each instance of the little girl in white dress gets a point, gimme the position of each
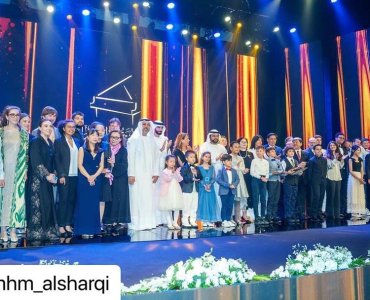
(170, 198)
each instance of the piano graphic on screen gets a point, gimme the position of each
(116, 99)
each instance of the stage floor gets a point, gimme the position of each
(138, 260)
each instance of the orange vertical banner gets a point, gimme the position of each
(288, 100)
(307, 97)
(198, 99)
(363, 70)
(341, 93)
(247, 98)
(69, 103)
(152, 79)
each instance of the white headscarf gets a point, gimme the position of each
(156, 124)
(212, 131)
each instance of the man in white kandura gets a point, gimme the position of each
(143, 172)
(217, 150)
(164, 146)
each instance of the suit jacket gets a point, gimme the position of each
(223, 181)
(304, 158)
(63, 156)
(317, 169)
(187, 184)
(367, 166)
(309, 153)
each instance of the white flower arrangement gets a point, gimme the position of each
(56, 262)
(318, 260)
(205, 271)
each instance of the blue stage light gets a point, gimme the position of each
(146, 4)
(86, 12)
(171, 5)
(217, 35)
(334, 1)
(169, 26)
(276, 29)
(292, 30)
(184, 32)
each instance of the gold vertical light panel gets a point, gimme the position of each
(247, 99)
(341, 94)
(307, 97)
(198, 100)
(288, 100)
(151, 79)
(363, 70)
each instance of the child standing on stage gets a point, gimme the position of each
(207, 202)
(273, 185)
(228, 180)
(241, 196)
(190, 187)
(260, 174)
(170, 198)
(291, 179)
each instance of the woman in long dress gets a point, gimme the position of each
(90, 166)
(355, 190)
(14, 155)
(41, 223)
(115, 183)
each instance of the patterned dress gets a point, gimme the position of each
(14, 149)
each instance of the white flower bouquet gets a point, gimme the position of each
(318, 260)
(205, 271)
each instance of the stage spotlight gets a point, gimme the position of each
(184, 32)
(106, 4)
(133, 27)
(239, 25)
(169, 26)
(248, 43)
(171, 5)
(69, 17)
(86, 12)
(276, 29)
(194, 36)
(146, 4)
(334, 1)
(227, 19)
(256, 46)
(135, 5)
(292, 30)
(217, 35)
(50, 8)
(116, 20)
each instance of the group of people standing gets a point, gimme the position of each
(54, 181)
(60, 181)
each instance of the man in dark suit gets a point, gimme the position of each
(79, 119)
(309, 151)
(303, 196)
(271, 143)
(317, 171)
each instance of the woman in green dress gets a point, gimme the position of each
(14, 149)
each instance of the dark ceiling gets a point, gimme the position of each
(314, 19)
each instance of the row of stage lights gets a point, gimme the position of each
(171, 5)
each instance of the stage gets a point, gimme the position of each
(138, 260)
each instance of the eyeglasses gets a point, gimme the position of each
(14, 115)
(115, 137)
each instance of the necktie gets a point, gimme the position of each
(299, 155)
